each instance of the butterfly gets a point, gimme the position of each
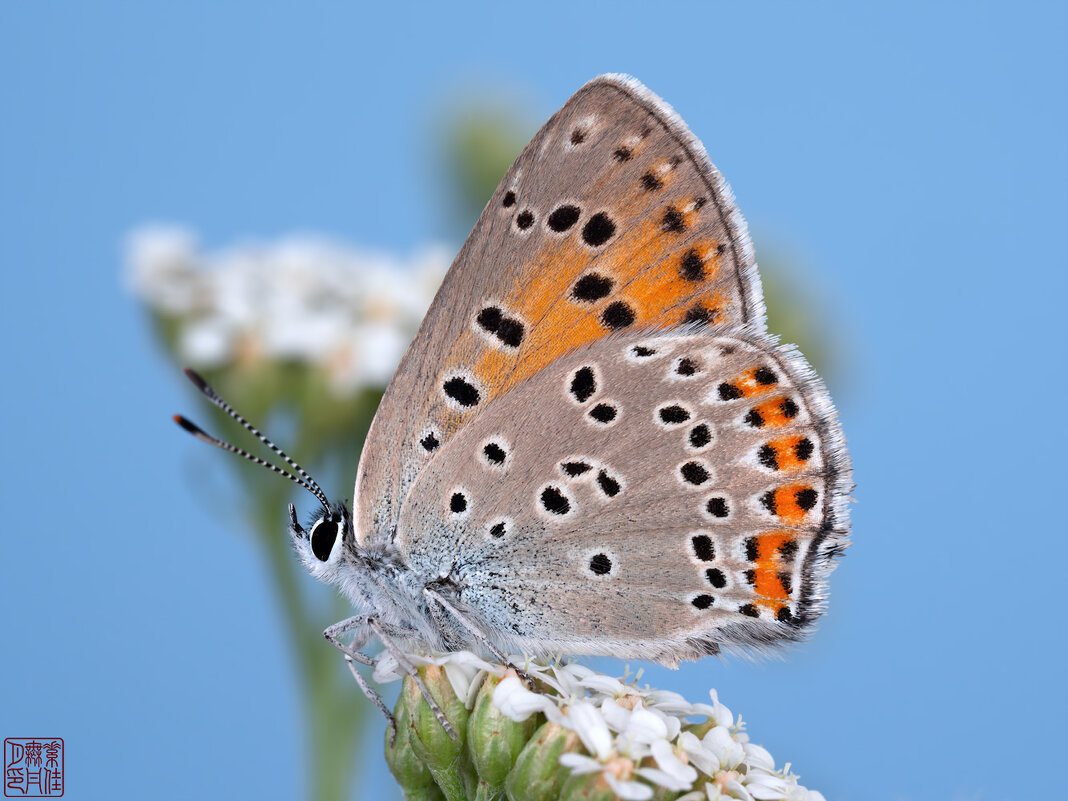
(592, 446)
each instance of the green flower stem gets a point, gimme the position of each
(334, 714)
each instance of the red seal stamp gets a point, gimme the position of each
(33, 767)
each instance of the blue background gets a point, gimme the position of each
(911, 158)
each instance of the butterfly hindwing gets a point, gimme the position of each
(647, 495)
(611, 220)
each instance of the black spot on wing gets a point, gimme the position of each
(608, 484)
(672, 222)
(461, 390)
(563, 217)
(600, 564)
(524, 219)
(617, 315)
(583, 384)
(673, 414)
(591, 287)
(554, 501)
(717, 507)
(604, 413)
(598, 229)
(692, 267)
(703, 548)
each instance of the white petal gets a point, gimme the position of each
(700, 757)
(759, 757)
(761, 792)
(580, 763)
(664, 779)
(589, 724)
(475, 662)
(667, 761)
(629, 791)
(615, 715)
(670, 703)
(577, 671)
(558, 678)
(674, 725)
(645, 726)
(605, 685)
(515, 701)
(716, 713)
(161, 267)
(719, 741)
(462, 679)
(387, 669)
(734, 789)
(208, 342)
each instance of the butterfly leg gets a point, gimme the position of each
(402, 661)
(373, 697)
(359, 624)
(437, 598)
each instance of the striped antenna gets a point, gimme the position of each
(305, 480)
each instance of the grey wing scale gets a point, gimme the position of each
(656, 496)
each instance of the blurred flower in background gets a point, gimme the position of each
(347, 313)
(301, 335)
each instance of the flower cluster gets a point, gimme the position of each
(301, 299)
(634, 742)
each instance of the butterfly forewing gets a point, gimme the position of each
(646, 495)
(611, 220)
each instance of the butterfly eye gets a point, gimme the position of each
(323, 534)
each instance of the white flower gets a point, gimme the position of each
(589, 724)
(611, 772)
(646, 726)
(701, 757)
(628, 790)
(726, 786)
(207, 342)
(349, 313)
(670, 771)
(715, 712)
(670, 703)
(514, 700)
(632, 737)
(727, 750)
(759, 757)
(606, 685)
(161, 262)
(765, 786)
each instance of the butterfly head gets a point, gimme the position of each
(322, 542)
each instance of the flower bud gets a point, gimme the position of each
(445, 757)
(538, 774)
(493, 739)
(408, 769)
